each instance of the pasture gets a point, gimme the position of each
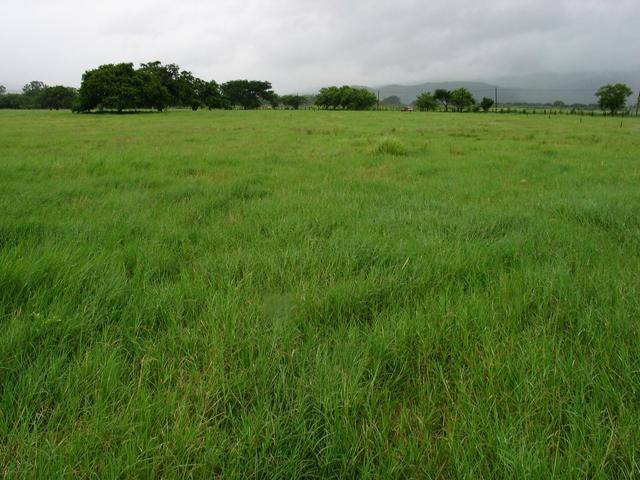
(282, 294)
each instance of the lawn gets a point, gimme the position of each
(280, 294)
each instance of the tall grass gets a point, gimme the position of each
(230, 295)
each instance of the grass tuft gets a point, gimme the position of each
(391, 146)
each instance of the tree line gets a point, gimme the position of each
(156, 86)
(612, 98)
(153, 85)
(36, 94)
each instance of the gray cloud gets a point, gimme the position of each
(303, 44)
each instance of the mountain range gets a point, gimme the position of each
(536, 88)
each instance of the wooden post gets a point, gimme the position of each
(496, 99)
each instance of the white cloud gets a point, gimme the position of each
(302, 44)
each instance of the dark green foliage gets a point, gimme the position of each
(486, 104)
(154, 94)
(3, 90)
(211, 96)
(345, 97)
(392, 101)
(426, 102)
(461, 99)
(443, 96)
(613, 97)
(33, 89)
(292, 101)
(112, 87)
(58, 97)
(248, 94)
(152, 86)
(275, 101)
(14, 101)
(168, 75)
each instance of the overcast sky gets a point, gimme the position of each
(303, 44)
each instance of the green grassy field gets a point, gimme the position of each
(270, 295)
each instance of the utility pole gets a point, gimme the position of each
(496, 99)
(378, 99)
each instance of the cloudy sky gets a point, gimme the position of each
(303, 44)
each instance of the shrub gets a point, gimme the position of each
(391, 146)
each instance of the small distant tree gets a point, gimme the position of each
(426, 102)
(3, 90)
(13, 101)
(559, 104)
(55, 98)
(292, 101)
(275, 100)
(392, 101)
(613, 97)
(462, 99)
(486, 104)
(33, 89)
(444, 97)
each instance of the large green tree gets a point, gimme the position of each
(152, 91)
(443, 96)
(111, 87)
(248, 94)
(426, 102)
(461, 99)
(346, 97)
(613, 97)
(168, 75)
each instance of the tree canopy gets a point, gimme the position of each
(461, 99)
(426, 102)
(156, 86)
(345, 97)
(443, 96)
(486, 103)
(33, 89)
(58, 97)
(248, 94)
(613, 97)
(392, 101)
(292, 101)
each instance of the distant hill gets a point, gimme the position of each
(538, 88)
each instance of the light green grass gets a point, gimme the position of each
(262, 295)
